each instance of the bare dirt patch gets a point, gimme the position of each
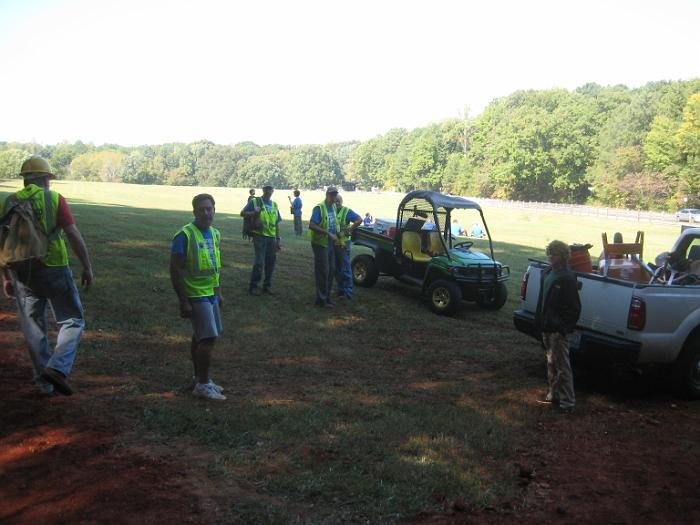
(60, 461)
(626, 457)
(630, 459)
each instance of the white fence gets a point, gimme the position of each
(579, 209)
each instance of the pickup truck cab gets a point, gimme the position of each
(632, 323)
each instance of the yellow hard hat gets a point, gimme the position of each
(34, 167)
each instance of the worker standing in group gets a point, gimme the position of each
(266, 239)
(323, 226)
(195, 272)
(348, 220)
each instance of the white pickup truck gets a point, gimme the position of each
(631, 323)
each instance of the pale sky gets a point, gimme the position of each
(300, 71)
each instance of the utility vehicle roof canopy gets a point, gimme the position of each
(437, 200)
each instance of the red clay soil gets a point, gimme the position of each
(62, 461)
(633, 461)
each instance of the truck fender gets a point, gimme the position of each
(689, 330)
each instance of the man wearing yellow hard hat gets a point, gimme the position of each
(38, 283)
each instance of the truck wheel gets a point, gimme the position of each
(686, 373)
(445, 297)
(364, 270)
(493, 299)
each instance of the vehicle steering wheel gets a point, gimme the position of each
(465, 244)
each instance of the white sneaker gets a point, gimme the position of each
(218, 388)
(207, 391)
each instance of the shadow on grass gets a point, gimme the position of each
(365, 412)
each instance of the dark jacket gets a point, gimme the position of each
(561, 306)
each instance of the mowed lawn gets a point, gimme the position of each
(376, 410)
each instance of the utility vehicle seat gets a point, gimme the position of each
(435, 244)
(410, 247)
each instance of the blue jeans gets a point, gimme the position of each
(324, 268)
(343, 272)
(54, 287)
(265, 256)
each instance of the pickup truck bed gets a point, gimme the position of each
(624, 322)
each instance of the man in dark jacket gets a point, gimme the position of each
(560, 310)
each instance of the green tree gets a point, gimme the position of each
(313, 167)
(11, 159)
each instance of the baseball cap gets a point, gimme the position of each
(331, 189)
(268, 187)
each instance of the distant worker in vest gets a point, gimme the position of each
(251, 194)
(323, 226)
(266, 239)
(561, 307)
(195, 273)
(49, 282)
(348, 220)
(296, 211)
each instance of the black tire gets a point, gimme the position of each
(445, 297)
(493, 299)
(686, 372)
(364, 270)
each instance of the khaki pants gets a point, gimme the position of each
(559, 375)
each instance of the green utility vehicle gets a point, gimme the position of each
(420, 251)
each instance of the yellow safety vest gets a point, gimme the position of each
(268, 218)
(201, 276)
(342, 222)
(45, 206)
(321, 239)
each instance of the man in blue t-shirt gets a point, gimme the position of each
(196, 284)
(267, 240)
(323, 238)
(347, 221)
(296, 211)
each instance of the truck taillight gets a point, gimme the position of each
(637, 317)
(523, 285)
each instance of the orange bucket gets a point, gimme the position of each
(580, 260)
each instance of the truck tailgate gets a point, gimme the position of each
(605, 304)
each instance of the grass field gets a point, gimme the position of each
(376, 411)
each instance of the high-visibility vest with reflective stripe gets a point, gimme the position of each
(268, 218)
(341, 223)
(45, 205)
(200, 275)
(322, 238)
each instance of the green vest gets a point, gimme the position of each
(268, 218)
(341, 223)
(321, 239)
(45, 205)
(201, 276)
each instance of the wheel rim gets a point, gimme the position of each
(360, 272)
(441, 298)
(695, 373)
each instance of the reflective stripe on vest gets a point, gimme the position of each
(45, 205)
(200, 275)
(321, 239)
(341, 223)
(268, 218)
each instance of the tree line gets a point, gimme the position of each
(634, 148)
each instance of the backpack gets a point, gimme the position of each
(252, 224)
(22, 236)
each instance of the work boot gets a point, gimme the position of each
(58, 380)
